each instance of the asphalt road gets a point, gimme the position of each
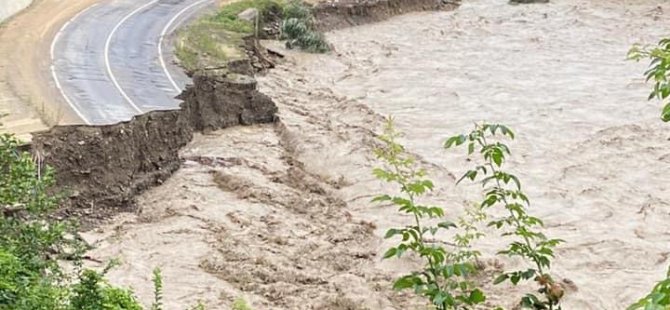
(114, 60)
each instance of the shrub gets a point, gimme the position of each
(240, 304)
(32, 243)
(657, 299)
(443, 280)
(659, 71)
(502, 189)
(445, 277)
(298, 29)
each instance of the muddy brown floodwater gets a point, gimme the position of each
(280, 215)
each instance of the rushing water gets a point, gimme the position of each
(591, 151)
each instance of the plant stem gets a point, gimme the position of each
(516, 220)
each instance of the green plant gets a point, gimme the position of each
(240, 304)
(25, 206)
(443, 282)
(299, 31)
(32, 242)
(504, 189)
(657, 299)
(658, 71)
(158, 290)
(463, 239)
(94, 293)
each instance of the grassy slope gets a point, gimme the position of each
(213, 40)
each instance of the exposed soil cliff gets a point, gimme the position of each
(336, 15)
(101, 168)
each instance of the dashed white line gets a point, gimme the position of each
(162, 37)
(107, 63)
(53, 67)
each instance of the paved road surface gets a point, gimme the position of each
(106, 60)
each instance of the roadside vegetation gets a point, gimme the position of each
(215, 39)
(35, 245)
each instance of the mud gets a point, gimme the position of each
(332, 15)
(102, 168)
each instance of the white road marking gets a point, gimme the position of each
(53, 68)
(107, 63)
(162, 37)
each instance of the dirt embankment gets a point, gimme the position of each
(337, 15)
(101, 168)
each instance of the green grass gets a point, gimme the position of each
(206, 44)
(213, 40)
(227, 16)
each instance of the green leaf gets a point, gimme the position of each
(665, 115)
(381, 198)
(501, 278)
(497, 157)
(392, 232)
(446, 225)
(454, 141)
(390, 253)
(477, 296)
(407, 282)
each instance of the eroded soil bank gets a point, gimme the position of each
(280, 214)
(102, 168)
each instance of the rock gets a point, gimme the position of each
(249, 14)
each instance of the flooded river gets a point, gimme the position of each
(280, 215)
(591, 151)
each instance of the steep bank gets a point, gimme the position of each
(102, 168)
(332, 15)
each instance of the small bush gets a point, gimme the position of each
(32, 243)
(444, 278)
(658, 298)
(659, 71)
(298, 29)
(240, 304)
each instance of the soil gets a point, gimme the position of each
(102, 168)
